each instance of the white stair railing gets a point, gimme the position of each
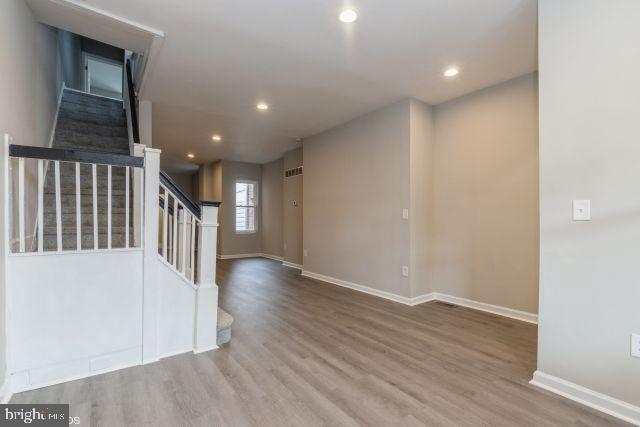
(27, 173)
(178, 231)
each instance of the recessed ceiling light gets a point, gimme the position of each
(451, 72)
(348, 16)
(262, 106)
(190, 155)
(216, 138)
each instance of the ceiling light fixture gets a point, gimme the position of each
(216, 138)
(263, 106)
(348, 16)
(451, 72)
(190, 155)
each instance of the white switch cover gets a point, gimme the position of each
(635, 345)
(305, 252)
(582, 210)
(405, 271)
(405, 213)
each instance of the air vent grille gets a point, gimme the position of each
(293, 172)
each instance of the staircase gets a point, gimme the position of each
(224, 327)
(163, 285)
(89, 123)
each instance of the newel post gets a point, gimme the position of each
(207, 294)
(150, 291)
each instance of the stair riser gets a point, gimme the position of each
(68, 202)
(86, 220)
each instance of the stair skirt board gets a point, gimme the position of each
(432, 296)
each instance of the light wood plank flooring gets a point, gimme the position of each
(306, 353)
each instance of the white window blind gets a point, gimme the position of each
(246, 204)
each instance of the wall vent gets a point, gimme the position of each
(293, 172)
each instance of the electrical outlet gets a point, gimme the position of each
(405, 271)
(635, 345)
(405, 213)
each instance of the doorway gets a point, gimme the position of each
(102, 76)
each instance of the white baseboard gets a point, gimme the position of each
(433, 296)
(601, 402)
(5, 392)
(489, 308)
(292, 265)
(361, 288)
(203, 349)
(237, 256)
(421, 299)
(273, 257)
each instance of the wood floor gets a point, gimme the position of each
(306, 353)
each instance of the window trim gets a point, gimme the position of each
(255, 207)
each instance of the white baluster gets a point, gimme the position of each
(94, 173)
(78, 215)
(183, 249)
(165, 226)
(21, 203)
(40, 205)
(193, 249)
(174, 242)
(109, 206)
(58, 207)
(126, 208)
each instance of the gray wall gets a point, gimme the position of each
(29, 88)
(589, 149)
(186, 182)
(486, 196)
(232, 243)
(69, 47)
(272, 208)
(422, 140)
(292, 209)
(356, 183)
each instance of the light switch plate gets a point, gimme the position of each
(305, 252)
(405, 271)
(582, 210)
(635, 345)
(405, 213)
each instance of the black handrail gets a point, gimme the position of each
(67, 155)
(132, 103)
(179, 194)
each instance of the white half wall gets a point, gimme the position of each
(73, 315)
(176, 320)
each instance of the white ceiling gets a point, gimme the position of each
(220, 57)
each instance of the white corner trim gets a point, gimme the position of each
(489, 308)
(433, 296)
(593, 399)
(421, 299)
(236, 256)
(273, 257)
(5, 391)
(292, 265)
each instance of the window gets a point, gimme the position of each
(246, 204)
